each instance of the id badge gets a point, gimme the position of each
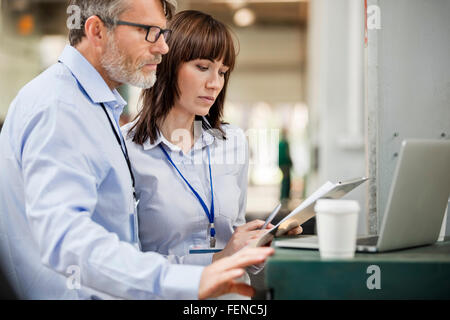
(197, 248)
(202, 246)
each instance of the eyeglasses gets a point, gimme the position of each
(153, 32)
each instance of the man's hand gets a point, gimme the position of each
(241, 237)
(220, 277)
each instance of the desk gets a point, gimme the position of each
(418, 273)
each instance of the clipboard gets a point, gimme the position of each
(305, 210)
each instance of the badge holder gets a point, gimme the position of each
(195, 249)
(134, 225)
(202, 246)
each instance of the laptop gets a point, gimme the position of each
(416, 203)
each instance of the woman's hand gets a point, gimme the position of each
(241, 237)
(295, 231)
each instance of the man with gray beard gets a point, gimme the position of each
(68, 223)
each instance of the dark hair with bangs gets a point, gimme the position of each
(195, 35)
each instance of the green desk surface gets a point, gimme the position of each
(417, 273)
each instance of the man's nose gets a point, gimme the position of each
(160, 46)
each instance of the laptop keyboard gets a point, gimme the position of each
(367, 241)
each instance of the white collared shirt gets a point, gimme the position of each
(171, 219)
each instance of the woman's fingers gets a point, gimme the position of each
(243, 238)
(295, 231)
(252, 225)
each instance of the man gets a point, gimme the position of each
(68, 226)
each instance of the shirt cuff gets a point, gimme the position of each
(181, 282)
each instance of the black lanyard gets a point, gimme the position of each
(125, 153)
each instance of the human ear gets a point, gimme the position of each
(95, 31)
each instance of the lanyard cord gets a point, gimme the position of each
(125, 153)
(209, 214)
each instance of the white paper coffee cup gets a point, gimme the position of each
(337, 222)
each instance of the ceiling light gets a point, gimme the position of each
(244, 17)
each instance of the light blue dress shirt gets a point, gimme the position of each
(66, 206)
(171, 219)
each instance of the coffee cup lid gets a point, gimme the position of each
(336, 205)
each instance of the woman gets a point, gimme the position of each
(190, 168)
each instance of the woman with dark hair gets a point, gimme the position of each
(191, 169)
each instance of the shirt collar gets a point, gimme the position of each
(206, 139)
(89, 78)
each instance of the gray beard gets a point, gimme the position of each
(120, 69)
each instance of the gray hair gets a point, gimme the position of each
(109, 11)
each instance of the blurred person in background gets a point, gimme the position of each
(285, 164)
(68, 221)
